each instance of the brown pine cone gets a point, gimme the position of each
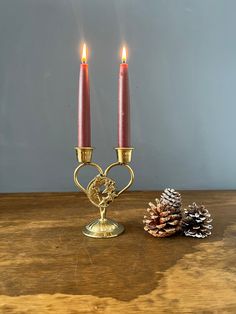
(163, 220)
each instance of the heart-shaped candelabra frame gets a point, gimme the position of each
(101, 190)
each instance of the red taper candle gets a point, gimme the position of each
(123, 104)
(84, 124)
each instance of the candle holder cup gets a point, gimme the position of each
(101, 190)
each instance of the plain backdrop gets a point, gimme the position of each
(182, 60)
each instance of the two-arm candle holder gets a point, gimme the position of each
(101, 190)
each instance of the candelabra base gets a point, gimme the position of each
(103, 228)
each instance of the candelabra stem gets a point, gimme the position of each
(102, 213)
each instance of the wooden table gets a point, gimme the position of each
(48, 266)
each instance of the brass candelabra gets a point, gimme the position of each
(101, 190)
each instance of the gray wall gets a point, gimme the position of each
(182, 70)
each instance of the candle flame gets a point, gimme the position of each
(124, 55)
(84, 54)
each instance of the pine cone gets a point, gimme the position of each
(171, 197)
(196, 221)
(163, 220)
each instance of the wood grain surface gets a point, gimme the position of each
(48, 266)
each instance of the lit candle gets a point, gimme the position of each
(123, 104)
(84, 127)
